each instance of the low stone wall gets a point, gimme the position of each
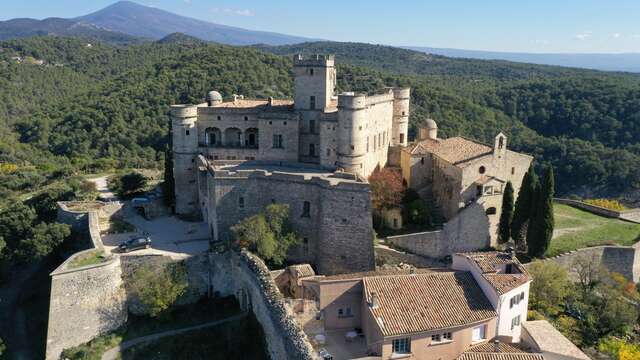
(430, 243)
(85, 302)
(467, 231)
(624, 260)
(598, 210)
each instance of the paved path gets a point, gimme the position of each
(103, 189)
(112, 354)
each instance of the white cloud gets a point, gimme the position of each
(616, 35)
(583, 35)
(239, 12)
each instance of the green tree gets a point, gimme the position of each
(43, 239)
(269, 233)
(159, 286)
(128, 185)
(419, 213)
(541, 224)
(549, 288)
(524, 204)
(504, 229)
(16, 222)
(2, 347)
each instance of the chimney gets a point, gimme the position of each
(375, 301)
(511, 251)
(496, 345)
(270, 100)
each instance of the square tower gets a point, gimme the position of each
(315, 81)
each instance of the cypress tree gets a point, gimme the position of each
(524, 205)
(542, 222)
(504, 229)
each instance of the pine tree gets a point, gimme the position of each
(523, 206)
(504, 230)
(542, 222)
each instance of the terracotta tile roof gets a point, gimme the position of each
(302, 270)
(498, 356)
(548, 339)
(490, 262)
(423, 302)
(502, 347)
(456, 150)
(251, 103)
(383, 272)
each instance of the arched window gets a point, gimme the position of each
(212, 136)
(500, 142)
(482, 170)
(232, 137)
(251, 137)
(491, 211)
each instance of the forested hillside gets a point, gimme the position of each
(88, 108)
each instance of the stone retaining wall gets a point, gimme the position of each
(624, 260)
(598, 210)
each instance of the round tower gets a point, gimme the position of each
(352, 139)
(185, 149)
(400, 126)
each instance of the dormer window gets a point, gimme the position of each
(311, 72)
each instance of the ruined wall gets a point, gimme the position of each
(624, 260)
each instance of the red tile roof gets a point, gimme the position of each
(423, 302)
(489, 262)
(456, 150)
(498, 356)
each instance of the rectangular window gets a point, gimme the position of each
(312, 126)
(328, 152)
(241, 202)
(447, 336)
(312, 102)
(277, 141)
(436, 338)
(186, 132)
(401, 346)
(340, 312)
(401, 138)
(513, 171)
(478, 333)
(441, 338)
(306, 209)
(367, 144)
(515, 322)
(312, 150)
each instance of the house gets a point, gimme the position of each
(541, 336)
(505, 282)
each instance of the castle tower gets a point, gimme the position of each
(185, 149)
(315, 81)
(352, 139)
(400, 126)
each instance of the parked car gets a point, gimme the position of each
(141, 242)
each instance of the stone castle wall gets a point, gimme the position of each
(624, 260)
(336, 233)
(90, 301)
(468, 231)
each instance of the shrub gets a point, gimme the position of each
(619, 349)
(159, 286)
(418, 212)
(607, 204)
(128, 185)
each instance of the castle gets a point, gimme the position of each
(314, 153)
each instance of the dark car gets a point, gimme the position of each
(141, 242)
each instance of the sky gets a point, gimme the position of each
(543, 26)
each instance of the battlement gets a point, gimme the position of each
(184, 111)
(314, 60)
(351, 100)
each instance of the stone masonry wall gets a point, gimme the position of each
(468, 231)
(598, 210)
(85, 302)
(624, 260)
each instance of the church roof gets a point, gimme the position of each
(456, 150)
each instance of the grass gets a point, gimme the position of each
(117, 225)
(90, 258)
(584, 229)
(201, 312)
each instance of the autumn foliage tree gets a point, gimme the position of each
(386, 188)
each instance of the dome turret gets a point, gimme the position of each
(214, 98)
